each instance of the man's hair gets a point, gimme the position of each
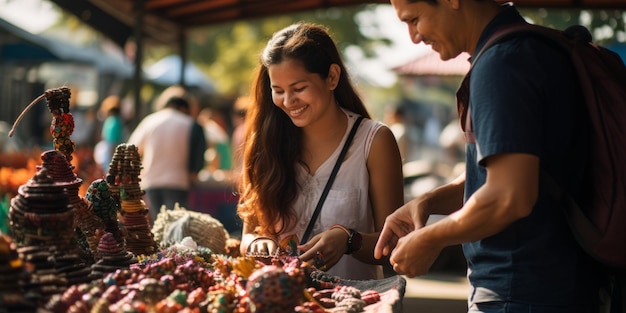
(177, 103)
(432, 2)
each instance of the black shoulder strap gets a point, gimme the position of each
(331, 179)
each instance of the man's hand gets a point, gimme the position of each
(401, 227)
(413, 256)
(397, 225)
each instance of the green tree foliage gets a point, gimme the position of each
(229, 52)
(606, 26)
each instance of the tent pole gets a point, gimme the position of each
(182, 49)
(141, 108)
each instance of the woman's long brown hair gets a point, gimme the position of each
(272, 145)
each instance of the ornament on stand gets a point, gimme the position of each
(58, 161)
(60, 169)
(42, 214)
(113, 256)
(42, 221)
(105, 207)
(85, 222)
(123, 179)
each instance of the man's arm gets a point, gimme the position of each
(443, 200)
(415, 213)
(509, 194)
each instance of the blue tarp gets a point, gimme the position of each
(166, 72)
(38, 48)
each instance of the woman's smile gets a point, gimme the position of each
(297, 112)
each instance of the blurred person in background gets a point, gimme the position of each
(218, 155)
(85, 121)
(239, 112)
(112, 133)
(394, 118)
(172, 145)
(168, 93)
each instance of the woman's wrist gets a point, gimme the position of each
(354, 240)
(339, 226)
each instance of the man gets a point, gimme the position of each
(171, 145)
(525, 113)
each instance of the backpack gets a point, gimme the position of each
(600, 229)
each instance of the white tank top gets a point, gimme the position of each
(348, 200)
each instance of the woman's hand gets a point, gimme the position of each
(262, 247)
(326, 249)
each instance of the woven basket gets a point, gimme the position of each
(171, 226)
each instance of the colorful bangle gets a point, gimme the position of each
(345, 229)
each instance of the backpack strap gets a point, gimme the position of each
(518, 29)
(587, 234)
(606, 68)
(462, 105)
(505, 33)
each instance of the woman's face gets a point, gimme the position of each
(302, 95)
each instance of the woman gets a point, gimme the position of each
(112, 132)
(302, 109)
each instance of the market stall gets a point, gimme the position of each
(97, 252)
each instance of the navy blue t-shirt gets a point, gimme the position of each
(524, 98)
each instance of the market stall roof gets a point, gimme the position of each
(431, 64)
(166, 21)
(163, 20)
(36, 48)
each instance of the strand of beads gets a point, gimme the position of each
(58, 101)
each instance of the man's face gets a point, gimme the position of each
(432, 24)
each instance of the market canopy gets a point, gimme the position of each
(167, 72)
(431, 63)
(31, 47)
(165, 20)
